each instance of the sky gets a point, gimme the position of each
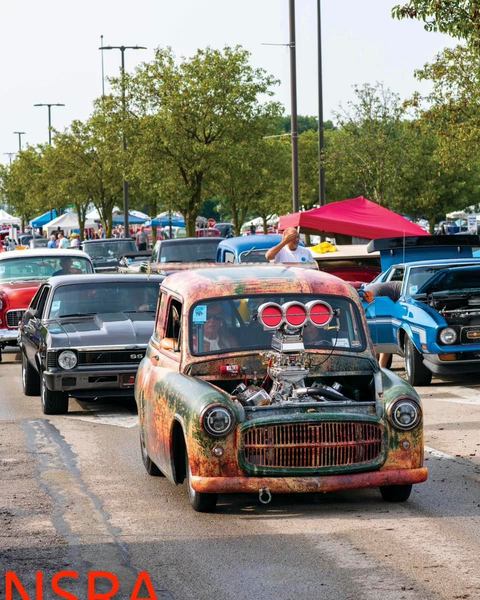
(49, 50)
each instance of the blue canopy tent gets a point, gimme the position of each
(165, 219)
(42, 220)
(132, 219)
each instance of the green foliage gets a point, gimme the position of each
(459, 18)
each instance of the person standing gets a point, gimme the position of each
(141, 239)
(289, 250)
(63, 243)
(52, 242)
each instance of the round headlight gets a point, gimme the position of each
(217, 420)
(67, 359)
(405, 414)
(448, 335)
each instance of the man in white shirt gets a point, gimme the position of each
(288, 250)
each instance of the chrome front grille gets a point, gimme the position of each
(312, 445)
(108, 357)
(14, 317)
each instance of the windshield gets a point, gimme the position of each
(42, 267)
(189, 251)
(253, 256)
(230, 325)
(420, 275)
(104, 297)
(109, 250)
(452, 281)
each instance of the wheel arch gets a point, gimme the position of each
(178, 451)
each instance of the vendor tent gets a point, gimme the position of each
(67, 223)
(118, 219)
(43, 219)
(6, 219)
(356, 217)
(164, 218)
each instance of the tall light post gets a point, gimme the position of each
(9, 154)
(122, 49)
(293, 108)
(321, 140)
(49, 106)
(19, 133)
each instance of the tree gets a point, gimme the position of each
(192, 114)
(362, 154)
(459, 18)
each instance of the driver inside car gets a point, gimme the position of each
(215, 336)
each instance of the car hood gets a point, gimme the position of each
(106, 329)
(11, 286)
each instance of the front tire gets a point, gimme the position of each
(199, 501)
(396, 493)
(150, 467)
(53, 403)
(30, 378)
(417, 372)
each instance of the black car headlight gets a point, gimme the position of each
(405, 414)
(217, 420)
(448, 335)
(67, 360)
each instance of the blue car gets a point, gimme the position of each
(435, 322)
(246, 248)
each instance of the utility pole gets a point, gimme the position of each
(49, 106)
(321, 140)
(122, 49)
(9, 154)
(19, 133)
(293, 108)
(103, 70)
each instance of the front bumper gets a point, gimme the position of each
(8, 335)
(319, 484)
(96, 381)
(452, 368)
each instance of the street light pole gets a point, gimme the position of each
(293, 118)
(20, 133)
(49, 106)
(122, 49)
(321, 140)
(9, 154)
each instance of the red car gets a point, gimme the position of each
(21, 273)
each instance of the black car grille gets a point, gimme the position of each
(14, 317)
(312, 445)
(108, 357)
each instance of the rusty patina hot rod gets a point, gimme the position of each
(264, 380)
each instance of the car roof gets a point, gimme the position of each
(246, 242)
(100, 278)
(236, 280)
(192, 240)
(103, 240)
(433, 263)
(45, 252)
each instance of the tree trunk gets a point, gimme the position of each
(190, 218)
(265, 225)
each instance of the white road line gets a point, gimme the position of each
(114, 419)
(474, 402)
(439, 453)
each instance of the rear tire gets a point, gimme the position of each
(30, 378)
(199, 501)
(150, 467)
(417, 372)
(53, 403)
(396, 493)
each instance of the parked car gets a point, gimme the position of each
(85, 337)
(350, 262)
(246, 248)
(106, 253)
(186, 250)
(264, 380)
(38, 242)
(412, 328)
(226, 229)
(21, 273)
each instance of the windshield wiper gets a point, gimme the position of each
(75, 315)
(248, 252)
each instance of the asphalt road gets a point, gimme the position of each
(74, 496)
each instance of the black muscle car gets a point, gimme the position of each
(85, 336)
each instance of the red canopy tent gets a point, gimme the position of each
(357, 217)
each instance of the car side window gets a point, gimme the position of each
(36, 298)
(397, 275)
(173, 323)
(229, 257)
(42, 299)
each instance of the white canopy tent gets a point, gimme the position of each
(68, 222)
(6, 219)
